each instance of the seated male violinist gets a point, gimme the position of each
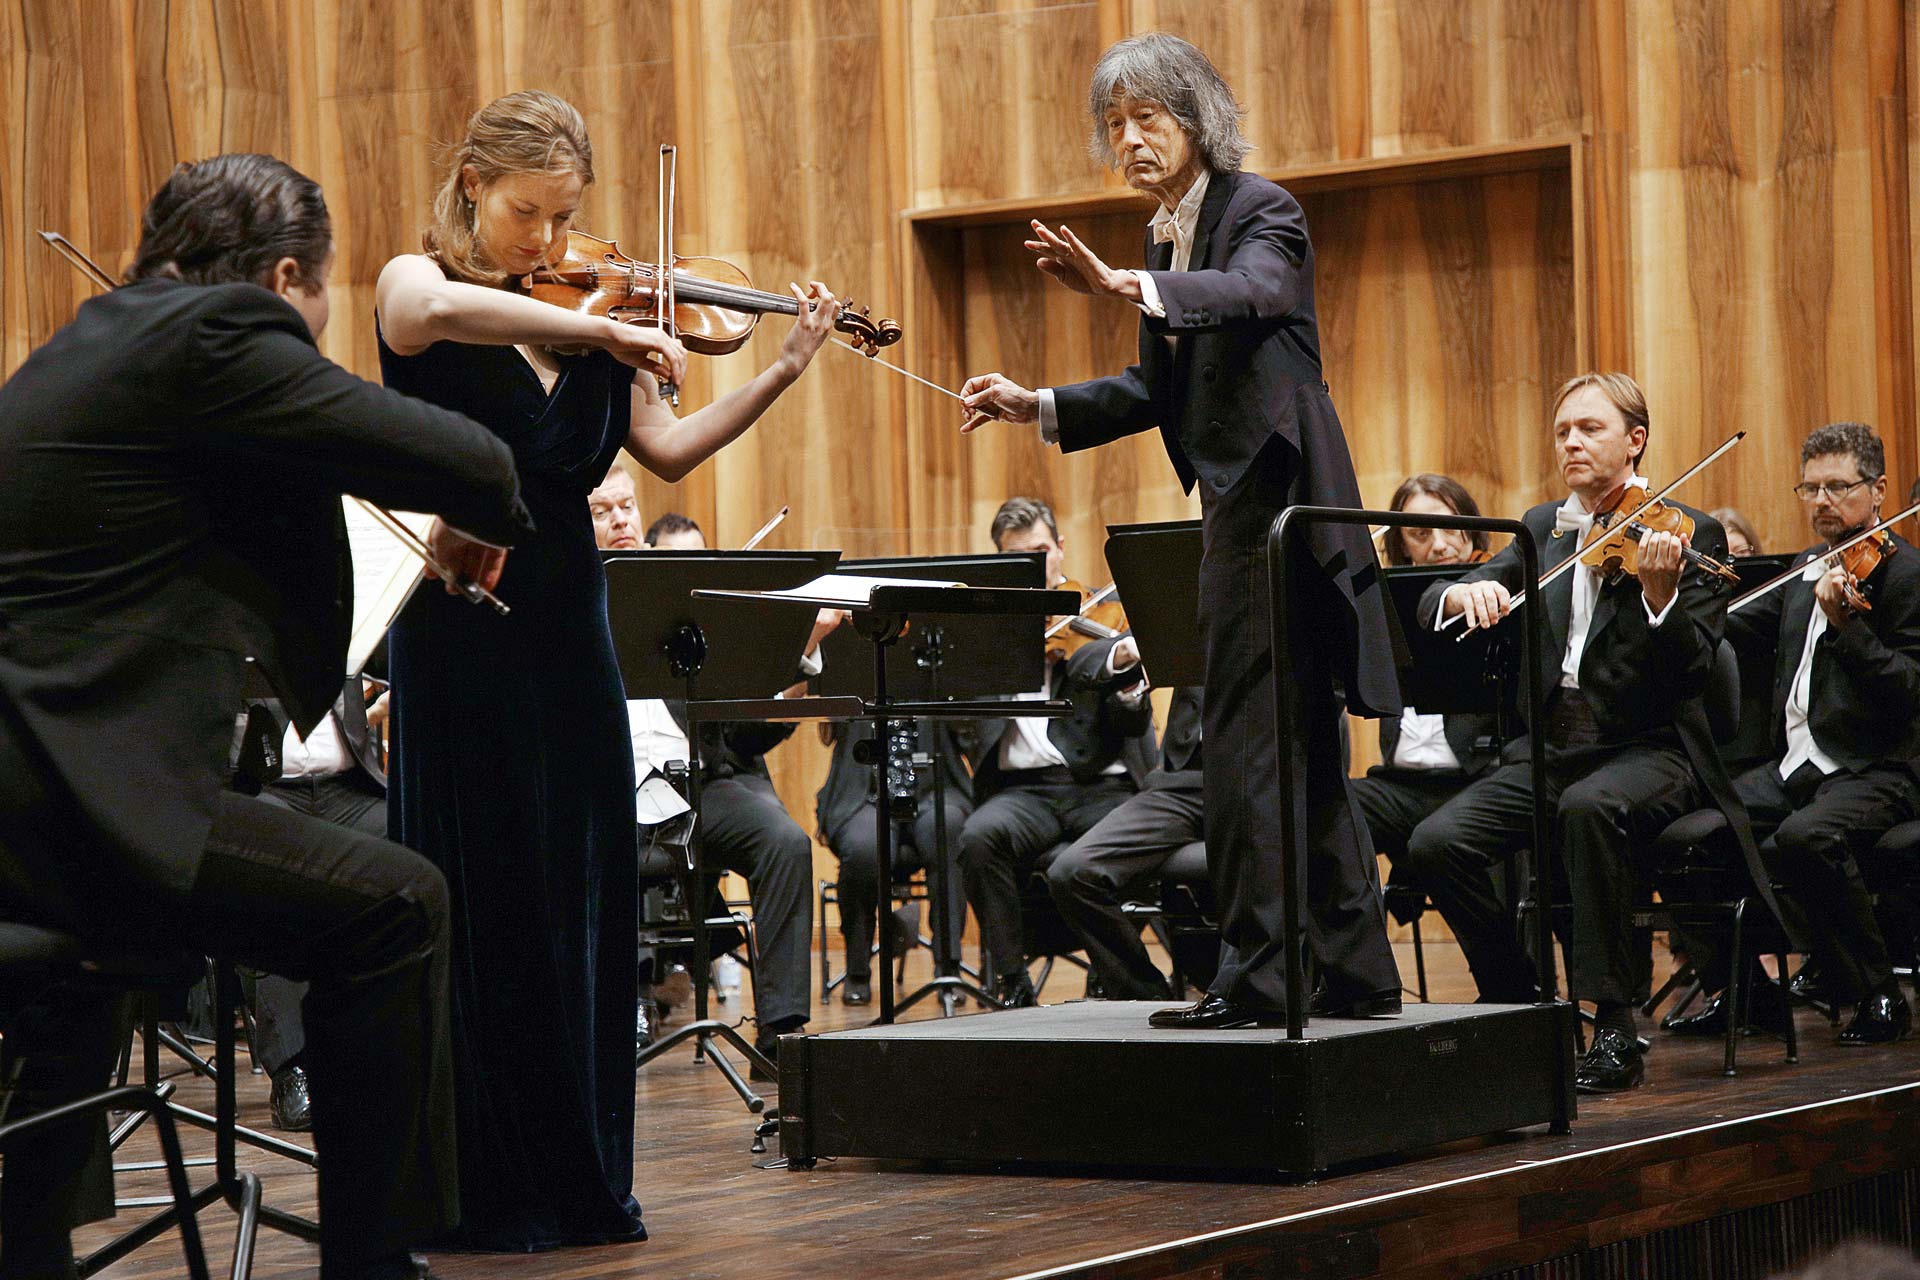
(1627, 743)
(1425, 760)
(1845, 731)
(746, 828)
(1041, 782)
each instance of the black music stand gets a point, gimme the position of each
(960, 656)
(1157, 568)
(882, 619)
(672, 646)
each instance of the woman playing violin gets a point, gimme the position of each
(513, 770)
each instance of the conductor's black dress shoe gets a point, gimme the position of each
(1880, 1019)
(1215, 1013)
(1614, 1063)
(1380, 1004)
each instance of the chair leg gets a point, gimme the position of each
(826, 967)
(1786, 1003)
(1419, 962)
(1046, 971)
(1736, 988)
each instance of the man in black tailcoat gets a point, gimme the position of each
(1229, 371)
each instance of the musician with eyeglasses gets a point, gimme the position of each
(1846, 736)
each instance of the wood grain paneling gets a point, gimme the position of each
(1737, 228)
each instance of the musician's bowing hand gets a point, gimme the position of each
(1062, 255)
(468, 560)
(996, 397)
(1484, 603)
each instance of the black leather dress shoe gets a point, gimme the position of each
(1879, 1020)
(1615, 1062)
(1215, 1013)
(1808, 985)
(1765, 1011)
(1015, 991)
(289, 1104)
(857, 991)
(768, 1043)
(1381, 1004)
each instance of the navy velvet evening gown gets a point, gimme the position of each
(513, 773)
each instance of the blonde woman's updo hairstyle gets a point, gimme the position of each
(526, 132)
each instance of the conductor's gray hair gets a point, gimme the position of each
(1163, 68)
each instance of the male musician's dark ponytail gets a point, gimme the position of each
(229, 219)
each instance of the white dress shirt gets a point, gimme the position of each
(1801, 747)
(1423, 743)
(1029, 747)
(324, 754)
(1177, 225)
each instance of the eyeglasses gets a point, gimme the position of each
(1831, 491)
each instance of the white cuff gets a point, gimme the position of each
(1150, 295)
(812, 664)
(1440, 619)
(1655, 619)
(1049, 418)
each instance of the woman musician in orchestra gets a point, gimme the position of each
(513, 770)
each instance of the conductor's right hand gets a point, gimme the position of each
(648, 347)
(1483, 603)
(994, 397)
(468, 560)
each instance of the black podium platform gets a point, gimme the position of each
(1090, 1083)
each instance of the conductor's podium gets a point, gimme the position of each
(1089, 1083)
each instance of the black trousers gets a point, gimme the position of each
(351, 800)
(1123, 853)
(1394, 801)
(364, 923)
(914, 849)
(1013, 832)
(1346, 927)
(749, 831)
(1811, 829)
(1607, 805)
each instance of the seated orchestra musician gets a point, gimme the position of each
(1742, 540)
(1039, 782)
(1123, 854)
(1628, 747)
(745, 827)
(1845, 729)
(1425, 759)
(175, 460)
(844, 809)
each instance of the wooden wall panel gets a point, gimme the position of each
(1738, 228)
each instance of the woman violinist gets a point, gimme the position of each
(513, 771)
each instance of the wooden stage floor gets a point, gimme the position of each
(1687, 1145)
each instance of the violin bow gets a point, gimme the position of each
(1600, 535)
(1827, 555)
(97, 275)
(765, 529)
(1093, 601)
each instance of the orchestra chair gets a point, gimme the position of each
(908, 887)
(1045, 935)
(1406, 901)
(665, 861)
(1189, 918)
(1892, 872)
(38, 965)
(1700, 878)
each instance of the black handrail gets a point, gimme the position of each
(1287, 716)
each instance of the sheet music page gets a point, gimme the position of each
(853, 588)
(385, 574)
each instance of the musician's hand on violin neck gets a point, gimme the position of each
(469, 561)
(648, 347)
(994, 397)
(1662, 556)
(1831, 593)
(810, 331)
(1062, 256)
